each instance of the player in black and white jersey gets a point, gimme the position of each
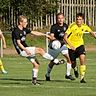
(57, 33)
(19, 36)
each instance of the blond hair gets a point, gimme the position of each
(21, 18)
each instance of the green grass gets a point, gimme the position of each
(18, 80)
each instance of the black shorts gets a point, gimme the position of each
(75, 54)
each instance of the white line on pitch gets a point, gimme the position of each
(42, 86)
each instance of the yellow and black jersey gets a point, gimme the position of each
(75, 34)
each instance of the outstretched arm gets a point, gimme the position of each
(93, 34)
(3, 39)
(36, 33)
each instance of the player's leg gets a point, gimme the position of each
(81, 52)
(37, 50)
(82, 68)
(72, 55)
(35, 69)
(68, 68)
(53, 53)
(64, 51)
(2, 68)
(46, 55)
(49, 69)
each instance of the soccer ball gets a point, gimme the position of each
(56, 44)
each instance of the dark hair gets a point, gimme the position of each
(80, 15)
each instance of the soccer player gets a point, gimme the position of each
(19, 36)
(57, 32)
(74, 39)
(4, 46)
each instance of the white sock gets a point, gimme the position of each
(48, 71)
(34, 73)
(56, 61)
(48, 56)
(68, 69)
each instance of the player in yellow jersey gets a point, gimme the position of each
(4, 46)
(74, 40)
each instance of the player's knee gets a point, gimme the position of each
(35, 65)
(40, 50)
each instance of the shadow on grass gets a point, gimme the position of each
(18, 79)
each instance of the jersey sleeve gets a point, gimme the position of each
(70, 28)
(88, 29)
(16, 35)
(52, 30)
(28, 30)
(68, 31)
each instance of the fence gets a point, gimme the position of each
(68, 7)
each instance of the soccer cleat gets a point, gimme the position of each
(4, 72)
(69, 77)
(47, 78)
(34, 82)
(83, 81)
(76, 73)
(62, 61)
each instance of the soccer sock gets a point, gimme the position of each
(1, 66)
(34, 73)
(47, 56)
(48, 71)
(68, 69)
(82, 71)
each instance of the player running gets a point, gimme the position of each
(19, 36)
(57, 33)
(4, 46)
(74, 39)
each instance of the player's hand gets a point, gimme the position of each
(4, 46)
(48, 36)
(72, 48)
(28, 52)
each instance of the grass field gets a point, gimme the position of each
(18, 80)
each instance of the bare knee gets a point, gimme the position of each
(35, 65)
(40, 51)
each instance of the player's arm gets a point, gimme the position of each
(67, 42)
(51, 36)
(36, 33)
(3, 39)
(23, 48)
(90, 31)
(93, 34)
(52, 32)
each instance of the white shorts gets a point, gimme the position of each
(63, 50)
(33, 52)
(31, 49)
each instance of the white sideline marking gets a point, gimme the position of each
(42, 86)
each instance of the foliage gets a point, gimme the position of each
(31, 8)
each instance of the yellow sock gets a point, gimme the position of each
(1, 66)
(82, 71)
